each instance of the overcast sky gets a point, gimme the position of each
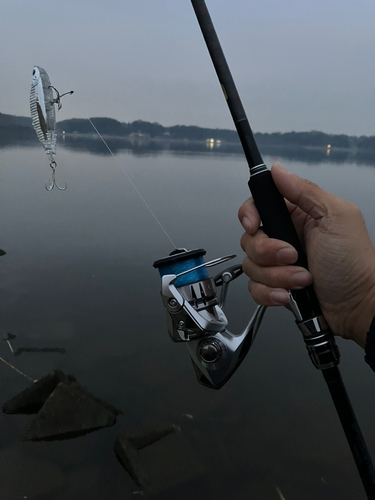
(298, 64)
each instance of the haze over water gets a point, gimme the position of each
(78, 275)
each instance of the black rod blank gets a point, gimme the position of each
(352, 430)
(227, 85)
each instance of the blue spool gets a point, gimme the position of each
(180, 261)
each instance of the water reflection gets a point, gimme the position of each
(17, 136)
(78, 275)
(145, 147)
(157, 148)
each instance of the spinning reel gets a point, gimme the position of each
(195, 314)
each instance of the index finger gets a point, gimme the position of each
(249, 216)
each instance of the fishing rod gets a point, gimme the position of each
(195, 314)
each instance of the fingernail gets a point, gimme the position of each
(286, 256)
(246, 224)
(302, 279)
(280, 297)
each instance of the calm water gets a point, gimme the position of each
(78, 275)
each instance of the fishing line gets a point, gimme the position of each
(280, 494)
(134, 186)
(16, 369)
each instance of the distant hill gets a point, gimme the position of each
(9, 124)
(109, 126)
(15, 129)
(14, 121)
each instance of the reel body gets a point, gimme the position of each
(195, 314)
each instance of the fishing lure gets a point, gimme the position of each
(43, 114)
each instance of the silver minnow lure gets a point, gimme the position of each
(43, 114)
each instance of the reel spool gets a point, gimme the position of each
(181, 260)
(195, 314)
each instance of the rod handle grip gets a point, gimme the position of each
(278, 224)
(274, 213)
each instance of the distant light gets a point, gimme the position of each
(328, 146)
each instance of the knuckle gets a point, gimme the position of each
(347, 209)
(276, 277)
(312, 185)
(260, 248)
(355, 210)
(273, 277)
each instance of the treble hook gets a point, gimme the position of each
(51, 184)
(59, 96)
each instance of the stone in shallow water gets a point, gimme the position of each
(32, 399)
(128, 457)
(145, 437)
(65, 408)
(127, 446)
(70, 411)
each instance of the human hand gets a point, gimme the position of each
(340, 255)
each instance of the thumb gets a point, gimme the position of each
(309, 197)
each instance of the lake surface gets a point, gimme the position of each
(78, 276)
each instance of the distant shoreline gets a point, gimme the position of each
(145, 139)
(17, 129)
(138, 146)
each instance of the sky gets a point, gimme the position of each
(298, 64)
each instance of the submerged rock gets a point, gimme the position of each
(70, 411)
(64, 408)
(32, 399)
(128, 457)
(145, 437)
(2, 252)
(127, 445)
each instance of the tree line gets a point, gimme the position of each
(109, 126)
(112, 127)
